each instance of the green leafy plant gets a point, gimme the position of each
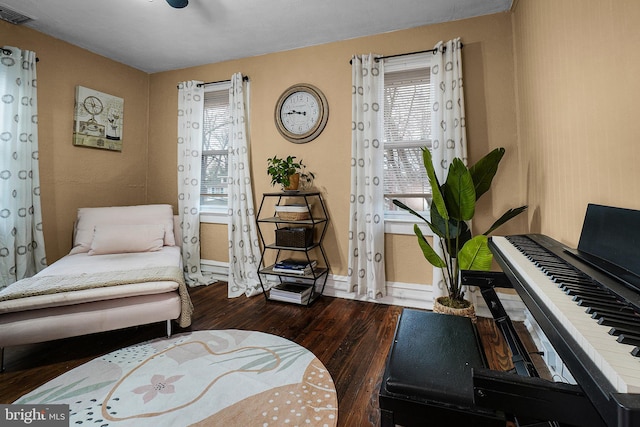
(281, 170)
(452, 205)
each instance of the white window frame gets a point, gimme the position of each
(403, 222)
(210, 214)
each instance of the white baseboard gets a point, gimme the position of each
(215, 269)
(420, 296)
(411, 295)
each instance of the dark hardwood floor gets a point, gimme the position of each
(351, 339)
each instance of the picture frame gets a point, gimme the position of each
(98, 120)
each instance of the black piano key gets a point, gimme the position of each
(635, 352)
(587, 287)
(608, 321)
(613, 311)
(591, 293)
(549, 264)
(631, 332)
(546, 262)
(562, 272)
(583, 290)
(575, 281)
(597, 314)
(614, 305)
(624, 339)
(567, 281)
(556, 270)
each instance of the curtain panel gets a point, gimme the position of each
(366, 270)
(449, 132)
(22, 251)
(244, 249)
(190, 116)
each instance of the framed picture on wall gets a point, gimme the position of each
(98, 120)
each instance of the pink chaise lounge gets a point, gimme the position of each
(125, 269)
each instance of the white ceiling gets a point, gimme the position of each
(151, 36)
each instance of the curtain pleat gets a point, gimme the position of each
(244, 249)
(366, 271)
(22, 251)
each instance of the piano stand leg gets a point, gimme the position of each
(520, 358)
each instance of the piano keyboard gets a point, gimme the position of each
(608, 330)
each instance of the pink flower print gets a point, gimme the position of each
(159, 384)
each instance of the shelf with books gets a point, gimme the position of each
(297, 266)
(315, 274)
(291, 292)
(291, 248)
(293, 238)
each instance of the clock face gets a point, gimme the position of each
(301, 113)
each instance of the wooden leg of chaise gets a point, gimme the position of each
(1, 359)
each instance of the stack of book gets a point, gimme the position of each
(291, 292)
(293, 266)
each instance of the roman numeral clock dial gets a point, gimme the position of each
(301, 113)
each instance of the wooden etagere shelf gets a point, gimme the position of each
(313, 229)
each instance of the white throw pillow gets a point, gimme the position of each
(118, 239)
(89, 218)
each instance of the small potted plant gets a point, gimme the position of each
(452, 206)
(286, 172)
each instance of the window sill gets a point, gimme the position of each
(214, 217)
(404, 226)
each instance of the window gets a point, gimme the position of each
(215, 144)
(407, 129)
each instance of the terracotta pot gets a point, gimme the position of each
(294, 182)
(469, 312)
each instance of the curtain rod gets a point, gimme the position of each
(244, 78)
(6, 51)
(409, 53)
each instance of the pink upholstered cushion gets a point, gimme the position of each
(117, 239)
(89, 218)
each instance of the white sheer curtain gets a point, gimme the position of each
(22, 252)
(190, 116)
(366, 227)
(448, 128)
(244, 249)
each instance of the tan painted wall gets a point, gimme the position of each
(577, 68)
(73, 177)
(488, 73)
(572, 85)
(145, 171)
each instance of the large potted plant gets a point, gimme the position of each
(452, 205)
(287, 172)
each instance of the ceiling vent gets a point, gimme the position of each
(13, 16)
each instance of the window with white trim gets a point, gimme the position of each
(215, 144)
(407, 129)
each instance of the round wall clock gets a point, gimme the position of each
(301, 113)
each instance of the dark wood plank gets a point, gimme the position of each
(350, 338)
(534, 352)
(495, 348)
